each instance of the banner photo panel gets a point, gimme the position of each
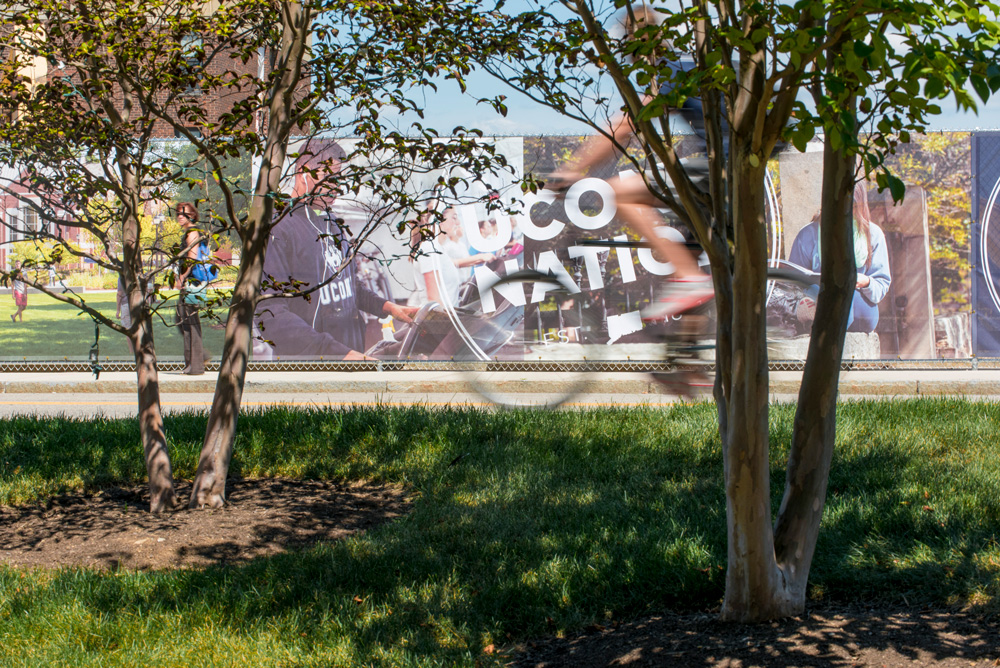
(912, 300)
(986, 243)
(439, 249)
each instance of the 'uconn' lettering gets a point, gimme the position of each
(335, 292)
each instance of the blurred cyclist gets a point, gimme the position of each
(688, 286)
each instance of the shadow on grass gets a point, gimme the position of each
(524, 524)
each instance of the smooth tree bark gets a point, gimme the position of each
(752, 578)
(162, 495)
(814, 431)
(768, 564)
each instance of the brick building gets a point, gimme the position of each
(21, 219)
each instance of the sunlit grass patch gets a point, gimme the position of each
(52, 330)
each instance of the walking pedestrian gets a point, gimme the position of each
(20, 290)
(192, 286)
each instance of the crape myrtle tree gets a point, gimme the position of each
(766, 74)
(83, 157)
(83, 143)
(364, 62)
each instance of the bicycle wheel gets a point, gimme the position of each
(688, 365)
(535, 329)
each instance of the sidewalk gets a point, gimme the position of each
(915, 382)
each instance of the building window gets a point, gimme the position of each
(195, 132)
(16, 224)
(31, 223)
(192, 51)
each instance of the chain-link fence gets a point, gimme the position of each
(637, 366)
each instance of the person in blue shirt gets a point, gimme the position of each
(871, 257)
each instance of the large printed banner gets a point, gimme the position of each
(913, 299)
(928, 285)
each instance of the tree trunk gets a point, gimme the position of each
(217, 449)
(769, 566)
(154, 439)
(755, 587)
(814, 430)
(723, 346)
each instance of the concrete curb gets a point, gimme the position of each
(877, 382)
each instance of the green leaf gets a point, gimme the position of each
(804, 132)
(896, 186)
(933, 88)
(982, 88)
(833, 136)
(862, 50)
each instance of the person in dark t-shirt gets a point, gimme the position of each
(310, 247)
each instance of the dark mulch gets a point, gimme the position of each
(113, 528)
(823, 638)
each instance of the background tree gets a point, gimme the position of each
(364, 61)
(941, 164)
(84, 148)
(765, 73)
(132, 73)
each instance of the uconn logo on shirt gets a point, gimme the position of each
(339, 290)
(336, 292)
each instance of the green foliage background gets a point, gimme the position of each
(941, 164)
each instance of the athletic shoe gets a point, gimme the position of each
(679, 295)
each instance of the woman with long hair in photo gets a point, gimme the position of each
(871, 257)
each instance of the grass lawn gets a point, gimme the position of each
(549, 522)
(53, 330)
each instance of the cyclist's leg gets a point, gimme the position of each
(688, 287)
(635, 207)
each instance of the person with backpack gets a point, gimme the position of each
(193, 276)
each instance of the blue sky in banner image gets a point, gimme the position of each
(449, 109)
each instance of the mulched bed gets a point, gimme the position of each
(823, 638)
(113, 528)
